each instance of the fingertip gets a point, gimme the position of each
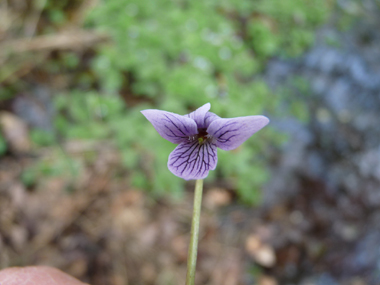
(36, 275)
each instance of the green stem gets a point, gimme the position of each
(193, 248)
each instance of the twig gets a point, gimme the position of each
(77, 39)
(31, 24)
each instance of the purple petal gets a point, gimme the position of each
(170, 126)
(209, 118)
(191, 160)
(230, 133)
(199, 115)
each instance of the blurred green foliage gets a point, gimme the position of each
(58, 165)
(42, 138)
(177, 56)
(180, 55)
(3, 145)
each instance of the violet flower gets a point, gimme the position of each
(198, 136)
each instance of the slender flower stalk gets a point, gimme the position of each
(193, 247)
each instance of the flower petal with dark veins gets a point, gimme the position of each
(170, 126)
(192, 160)
(209, 118)
(199, 115)
(228, 134)
(199, 134)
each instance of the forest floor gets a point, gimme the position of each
(100, 230)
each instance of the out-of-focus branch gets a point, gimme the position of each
(77, 39)
(35, 48)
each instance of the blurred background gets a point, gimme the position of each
(83, 179)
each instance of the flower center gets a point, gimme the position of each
(202, 136)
